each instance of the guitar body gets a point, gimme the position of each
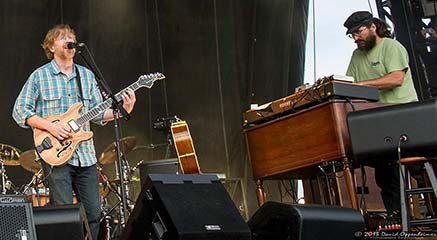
(61, 151)
(185, 148)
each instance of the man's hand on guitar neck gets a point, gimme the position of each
(57, 130)
(129, 100)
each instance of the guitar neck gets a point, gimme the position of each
(93, 113)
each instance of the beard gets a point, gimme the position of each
(367, 44)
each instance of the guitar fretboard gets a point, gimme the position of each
(91, 114)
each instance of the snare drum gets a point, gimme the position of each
(32, 196)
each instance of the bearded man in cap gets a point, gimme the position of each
(382, 62)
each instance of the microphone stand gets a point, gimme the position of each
(118, 111)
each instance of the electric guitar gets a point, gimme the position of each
(57, 153)
(184, 148)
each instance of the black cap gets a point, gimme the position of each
(356, 20)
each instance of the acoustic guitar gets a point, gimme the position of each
(57, 153)
(184, 148)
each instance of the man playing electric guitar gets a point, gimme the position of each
(51, 90)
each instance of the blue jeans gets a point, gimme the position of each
(84, 181)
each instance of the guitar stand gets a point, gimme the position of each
(170, 143)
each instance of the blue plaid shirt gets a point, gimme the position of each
(49, 92)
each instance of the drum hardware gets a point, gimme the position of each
(9, 156)
(136, 166)
(3, 174)
(109, 155)
(119, 188)
(111, 220)
(105, 183)
(32, 186)
(105, 225)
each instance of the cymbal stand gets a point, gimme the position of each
(107, 212)
(107, 218)
(35, 186)
(3, 173)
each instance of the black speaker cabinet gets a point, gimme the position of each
(16, 218)
(282, 221)
(185, 207)
(61, 222)
(375, 133)
(170, 165)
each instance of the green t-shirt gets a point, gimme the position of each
(386, 57)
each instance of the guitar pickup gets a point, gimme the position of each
(73, 125)
(46, 144)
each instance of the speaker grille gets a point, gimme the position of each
(16, 221)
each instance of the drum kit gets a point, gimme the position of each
(37, 192)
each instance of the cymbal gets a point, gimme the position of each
(10, 155)
(109, 155)
(27, 161)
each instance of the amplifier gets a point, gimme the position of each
(16, 220)
(12, 198)
(170, 165)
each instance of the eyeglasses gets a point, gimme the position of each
(64, 37)
(357, 33)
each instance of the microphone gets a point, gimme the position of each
(76, 45)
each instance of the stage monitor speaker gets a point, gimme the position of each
(170, 165)
(61, 222)
(185, 207)
(16, 218)
(375, 133)
(282, 221)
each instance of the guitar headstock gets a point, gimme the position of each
(149, 79)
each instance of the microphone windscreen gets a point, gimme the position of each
(71, 45)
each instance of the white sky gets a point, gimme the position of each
(333, 48)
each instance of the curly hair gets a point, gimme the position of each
(52, 34)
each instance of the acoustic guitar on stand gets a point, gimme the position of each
(184, 148)
(57, 153)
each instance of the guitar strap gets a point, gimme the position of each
(79, 83)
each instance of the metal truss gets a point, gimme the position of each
(410, 19)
